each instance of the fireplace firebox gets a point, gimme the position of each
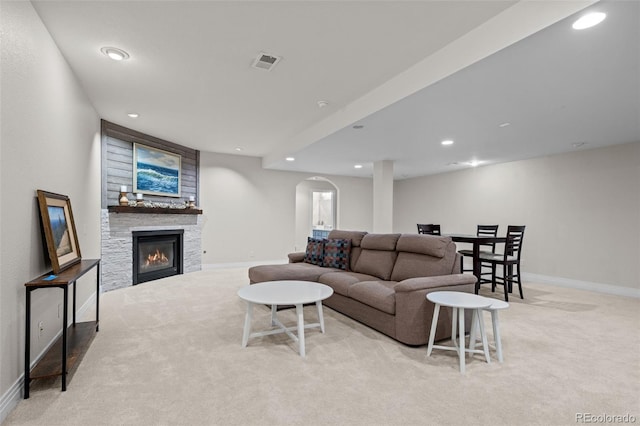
(157, 254)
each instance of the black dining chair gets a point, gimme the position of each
(509, 259)
(429, 228)
(482, 231)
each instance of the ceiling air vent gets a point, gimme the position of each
(265, 61)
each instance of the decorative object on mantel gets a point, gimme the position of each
(123, 196)
(192, 202)
(139, 200)
(59, 230)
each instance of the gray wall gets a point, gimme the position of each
(117, 152)
(50, 140)
(581, 209)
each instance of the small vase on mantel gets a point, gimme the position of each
(123, 196)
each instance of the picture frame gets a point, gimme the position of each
(156, 172)
(59, 230)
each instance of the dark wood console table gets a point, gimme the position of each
(75, 339)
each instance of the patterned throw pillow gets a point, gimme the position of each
(315, 251)
(337, 253)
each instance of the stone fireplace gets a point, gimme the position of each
(179, 234)
(156, 254)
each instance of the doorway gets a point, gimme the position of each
(316, 209)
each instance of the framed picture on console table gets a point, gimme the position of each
(155, 171)
(59, 230)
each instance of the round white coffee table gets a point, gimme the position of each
(459, 301)
(276, 293)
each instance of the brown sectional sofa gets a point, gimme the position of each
(388, 279)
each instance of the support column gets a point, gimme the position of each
(383, 196)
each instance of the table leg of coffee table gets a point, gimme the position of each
(320, 316)
(274, 317)
(300, 329)
(247, 324)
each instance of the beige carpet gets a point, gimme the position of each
(168, 352)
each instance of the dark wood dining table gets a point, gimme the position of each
(477, 241)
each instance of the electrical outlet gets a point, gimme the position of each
(40, 328)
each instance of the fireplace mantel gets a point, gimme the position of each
(153, 210)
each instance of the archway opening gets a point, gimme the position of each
(316, 209)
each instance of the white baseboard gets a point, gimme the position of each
(208, 266)
(14, 395)
(583, 285)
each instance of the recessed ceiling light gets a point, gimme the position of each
(474, 163)
(322, 104)
(504, 124)
(357, 166)
(589, 20)
(115, 53)
(133, 115)
(358, 126)
(578, 144)
(238, 149)
(447, 142)
(290, 159)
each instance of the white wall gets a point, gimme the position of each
(49, 140)
(250, 212)
(304, 215)
(581, 209)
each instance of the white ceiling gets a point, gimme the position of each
(413, 73)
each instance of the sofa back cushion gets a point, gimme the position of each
(356, 239)
(423, 256)
(378, 255)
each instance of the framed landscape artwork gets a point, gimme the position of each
(59, 230)
(155, 172)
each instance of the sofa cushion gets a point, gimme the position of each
(412, 265)
(354, 236)
(378, 263)
(337, 253)
(423, 244)
(377, 294)
(380, 241)
(315, 251)
(378, 255)
(290, 271)
(341, 281)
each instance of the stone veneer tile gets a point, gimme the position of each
(117, 250)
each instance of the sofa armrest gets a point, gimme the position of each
(296, 257)
(414, 312)
(428, 283)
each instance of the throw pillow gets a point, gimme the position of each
(337, 253)
(315, 251)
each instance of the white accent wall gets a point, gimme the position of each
(249, 213)
(50, 138)
(581, 209)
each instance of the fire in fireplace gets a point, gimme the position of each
(156, 254)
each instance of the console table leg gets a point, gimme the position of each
(27, 344)
(64, 337)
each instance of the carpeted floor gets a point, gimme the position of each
(168, 353)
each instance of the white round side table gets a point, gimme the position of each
(459, 301)
(496, 305)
